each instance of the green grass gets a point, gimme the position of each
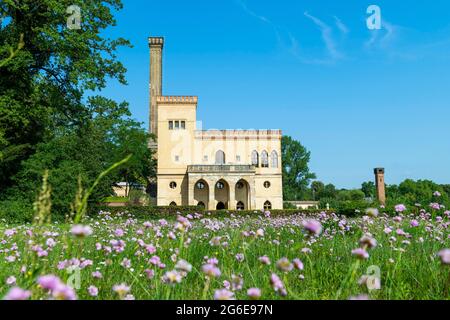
(330, 270)
(115, 199)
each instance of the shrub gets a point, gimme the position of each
(288, 205)
(135, 196)
(165, 211)
(16, 211)
(353, 208)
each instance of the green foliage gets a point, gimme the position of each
(15, 210)
(42, 88)
(81, 205)
(350, 195)
(141, 168)
(288, 205)
(369, 189)
(296, 175)
(116, 199)
(135, 196)
(74, 155)
(320, 190)
(351, 208)
(145, 212)
(12, 51)
(411, 192)
(47, 120)
(43, 204)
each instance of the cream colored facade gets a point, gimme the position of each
(219, 169)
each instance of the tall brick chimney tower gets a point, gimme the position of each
(379, 182)
(156, 45)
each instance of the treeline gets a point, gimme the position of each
(413, 194)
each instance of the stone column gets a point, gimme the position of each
(191, 188)
(232, 195)
(211, 197)
(252, 203)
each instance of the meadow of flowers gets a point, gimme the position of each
(322, 256)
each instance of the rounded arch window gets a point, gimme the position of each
(220, 206)
(200, 185)
(240, 206)
(173, 185)
(264, 159)
(274, 159)
(267, 205)
(267, 184)
(220, 157)
(255, 158)
(220, 185)
(173, 204)
(201, 204)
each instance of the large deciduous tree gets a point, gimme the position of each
(52, 115)
(296, 174)
(42, 89)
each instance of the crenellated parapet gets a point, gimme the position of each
(177, 99)
(156, 41)
(238, 134)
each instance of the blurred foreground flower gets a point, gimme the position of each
(17, 293)
(81, 231)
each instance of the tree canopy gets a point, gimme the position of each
(296, 174)
(42, 89)
(52, 113)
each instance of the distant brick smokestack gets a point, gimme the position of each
(379, 182)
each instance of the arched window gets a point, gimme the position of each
(173, 185)
(220, 206)
(274, 159)
(220, 157)
(264, 159)
(173, 204)
(201, 204)
(240, 206)
(267, 205)
(255, 158)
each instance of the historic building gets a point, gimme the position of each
(218, 169)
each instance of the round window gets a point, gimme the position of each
(267, 184)
(173, 185)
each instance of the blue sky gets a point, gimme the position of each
(356, 98)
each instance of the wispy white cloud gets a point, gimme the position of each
(341, 26)
(276, 28)
(252, 13)
(384, 37)
(327, 37)
(295, 49)
(293, 45)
